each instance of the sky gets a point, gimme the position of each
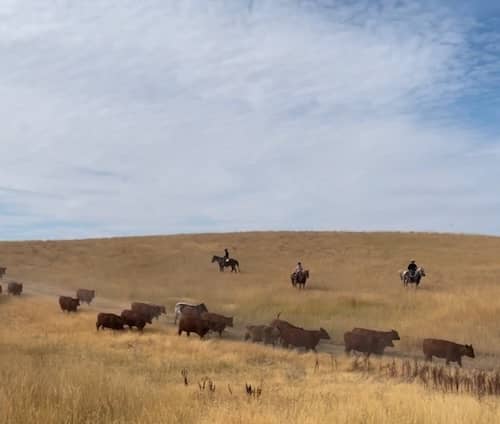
(122, 117)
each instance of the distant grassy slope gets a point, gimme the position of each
(354, 279)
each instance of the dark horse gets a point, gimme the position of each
(407, 278)
(233, 263)
(299, 278)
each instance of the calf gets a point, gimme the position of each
(217, 322)
(133, 319)
(364, 343)
(192, 323)
(385, 337)
(68, 303)
(197, 308)
(112, 321)
(14, 288)
(85, 295)
(299, 337)
(159, 310)
(3, 270)
(265, 333)
(450, 351)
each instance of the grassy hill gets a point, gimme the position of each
(55, 366)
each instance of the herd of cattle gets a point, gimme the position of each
(195, 318)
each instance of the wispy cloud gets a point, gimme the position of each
(170, 116)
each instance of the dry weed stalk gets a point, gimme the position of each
(206, 384)
(255, 391)
(333, 362)
(184, 373)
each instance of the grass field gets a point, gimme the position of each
(57, 368)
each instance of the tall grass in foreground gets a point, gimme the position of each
(55, 368)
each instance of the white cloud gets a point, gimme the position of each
(168, 116)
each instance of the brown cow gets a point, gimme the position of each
(133, 319)
(180, 307)
(385, 337)
(265, 333)
(299, 337)
(68, 303)
(282, 324)
(85, 295)
(192, 323)
(14, 288)
(105, 320)
(217, 322)
(148, 309)
(364, 343)
(3, 270)
(452, 352)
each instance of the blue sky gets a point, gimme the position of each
(155, 117)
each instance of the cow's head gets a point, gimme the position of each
(395, 335)
(469, 351)
(323, 334)
(229, 321)
(275, 332)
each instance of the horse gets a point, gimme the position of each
(299, 278)
(406, 278)
(233, 263)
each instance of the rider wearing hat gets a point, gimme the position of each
(226, 255)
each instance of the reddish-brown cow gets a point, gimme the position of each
(450, 351)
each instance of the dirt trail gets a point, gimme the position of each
(101, 304)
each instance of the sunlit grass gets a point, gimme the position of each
(56, 367)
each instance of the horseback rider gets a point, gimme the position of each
(298, 269)
(226, 255)
(412, 268)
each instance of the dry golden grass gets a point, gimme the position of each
(57, 368)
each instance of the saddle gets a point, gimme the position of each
(412, 275)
